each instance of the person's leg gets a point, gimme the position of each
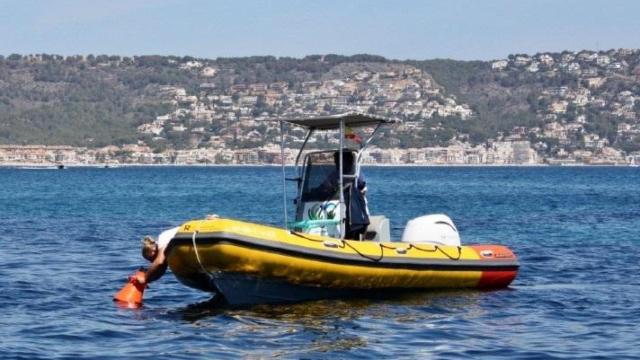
(355, 234)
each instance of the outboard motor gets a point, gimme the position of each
(434, 229)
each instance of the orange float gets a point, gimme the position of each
(131, 294)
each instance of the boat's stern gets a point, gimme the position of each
(496, 278)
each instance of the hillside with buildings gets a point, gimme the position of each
(526, 109)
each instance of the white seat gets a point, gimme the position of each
(378, 229)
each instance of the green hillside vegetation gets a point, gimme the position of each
(101, 100)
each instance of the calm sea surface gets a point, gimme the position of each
(70, 237)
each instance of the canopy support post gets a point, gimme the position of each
(341, 182)
(284, 177)
(363, 146)
(306, 139)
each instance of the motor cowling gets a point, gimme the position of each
(436, 229)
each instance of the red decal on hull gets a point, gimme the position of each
(496, 279)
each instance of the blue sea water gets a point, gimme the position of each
(69, 239)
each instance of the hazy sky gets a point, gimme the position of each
(400, 29)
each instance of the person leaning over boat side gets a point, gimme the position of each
(153, 251)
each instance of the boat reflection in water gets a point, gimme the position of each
(340, 325)
(319, 311)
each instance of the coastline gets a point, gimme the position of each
(54, 166)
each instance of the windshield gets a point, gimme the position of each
(321, 175)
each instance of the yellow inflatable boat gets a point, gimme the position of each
(333, 248)
(252, 264)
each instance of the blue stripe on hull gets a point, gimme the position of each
(240, 289)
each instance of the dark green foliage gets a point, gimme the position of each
(453, 74)
(97, 100)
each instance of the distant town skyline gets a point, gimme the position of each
(407, 29)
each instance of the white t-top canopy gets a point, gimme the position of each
(332, 122)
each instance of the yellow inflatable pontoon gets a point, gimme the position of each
(253, 264)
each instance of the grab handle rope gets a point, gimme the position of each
(195, 249)
(382, 246)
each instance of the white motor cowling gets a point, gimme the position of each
(435, 229)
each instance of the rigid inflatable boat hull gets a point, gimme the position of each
(254, 264)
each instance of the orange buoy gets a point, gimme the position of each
(131, 294)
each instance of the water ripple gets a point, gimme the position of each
(70, 238)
